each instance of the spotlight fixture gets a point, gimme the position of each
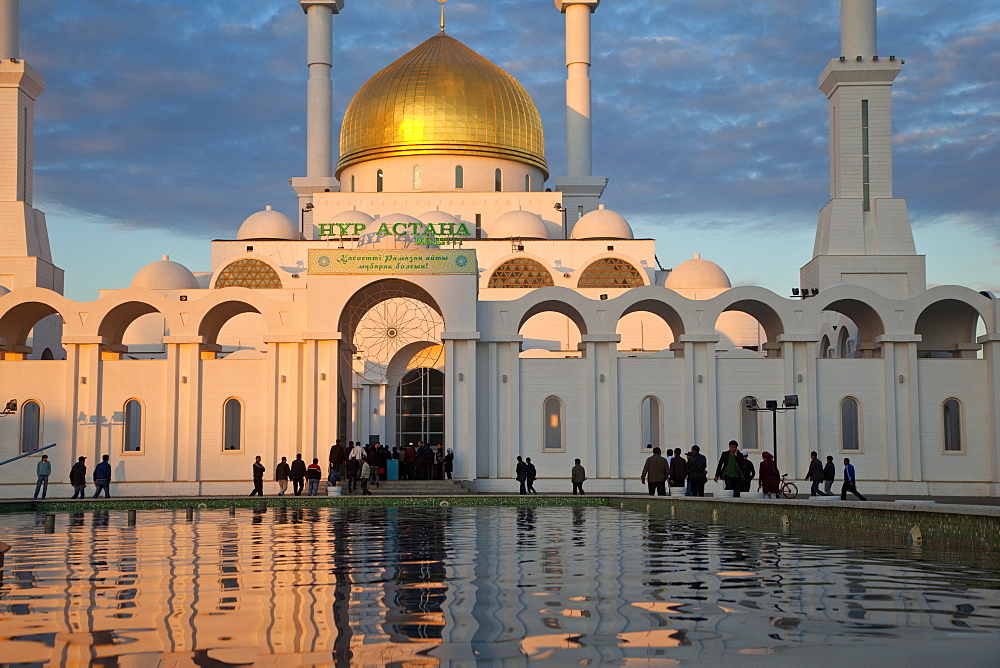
(603, 297)
(892, 58)
(751, 404)
(11, 407)
(875, 58)
(795, 292)
(860, 58)
(791, 401)
(843, 58)
(771, 404)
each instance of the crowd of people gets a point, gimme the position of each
(689, 471)
(359, 467)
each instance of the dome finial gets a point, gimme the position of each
(442, 13)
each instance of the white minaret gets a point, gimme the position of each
(25, 256)
(864, 235)
(319, 106)
(581, 190)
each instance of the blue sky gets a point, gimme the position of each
(165, 124)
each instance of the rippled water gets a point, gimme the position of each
(459, 586)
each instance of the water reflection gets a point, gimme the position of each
(456, 586)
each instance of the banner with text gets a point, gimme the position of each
(422, 261)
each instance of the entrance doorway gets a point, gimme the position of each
(420, 407)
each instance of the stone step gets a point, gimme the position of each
(418, 488)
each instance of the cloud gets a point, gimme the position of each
(188, 117)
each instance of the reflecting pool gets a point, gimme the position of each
(457, 586)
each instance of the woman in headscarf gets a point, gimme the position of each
(770, 478)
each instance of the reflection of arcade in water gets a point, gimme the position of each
(455, 586)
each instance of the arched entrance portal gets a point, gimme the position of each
(420, 407)
(392, 371)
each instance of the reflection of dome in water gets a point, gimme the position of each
(442, 98)
(268, 225)
(697, 273)
(165, 275)
(519, 225)
(602, 224)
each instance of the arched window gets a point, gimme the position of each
(850, 425)
(459, 177)
(952, 426)
(249, 273)
(498, 181)
(379, 181)
(352, 182)
(31, 426)
(650, 411)
(232, 438)
(610, 272)
(521, 272)
(749, 426)
(552, 429)
(418, 181)
(133, 426)
(527, 183)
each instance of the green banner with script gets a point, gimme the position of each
(422, 261)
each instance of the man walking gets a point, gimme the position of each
(521, 474)
(815, 474)
(850, 482)
(281, 474)
(656, 471)
(78, 478)
(697, 471)
(532, 473)
(43, 470)
(102, 477)
(829, 475)
(298, 474)
(258, 478)
(729, 469)
(577, 477)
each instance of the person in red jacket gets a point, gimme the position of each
(313, 475)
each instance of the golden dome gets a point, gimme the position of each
(442, 98)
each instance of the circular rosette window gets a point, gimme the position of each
(393, 326)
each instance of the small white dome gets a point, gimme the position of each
(165, 275)
(266, 225)
(438, 218)
(519, 225)
(414, 230)
(697, 273)
(602, 224)
(352, 217)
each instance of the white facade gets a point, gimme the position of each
(560, 345)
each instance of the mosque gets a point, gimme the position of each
(438, 283)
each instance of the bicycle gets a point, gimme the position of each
(787, 489)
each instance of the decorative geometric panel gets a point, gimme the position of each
(610, 272)
(249, 273)
(520, 272)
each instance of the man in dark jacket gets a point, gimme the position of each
(697, 471)
(102, 478)
(815, 474)
(521, 474)
(532, 473)
(729, 469)
(298, 474)
(678, 470)
(656, 471)
(258, 478)
(829, 475)
(78, 478)
(281, 474)
(337, 455)
(747, 469)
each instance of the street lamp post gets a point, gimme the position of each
(790, 403)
